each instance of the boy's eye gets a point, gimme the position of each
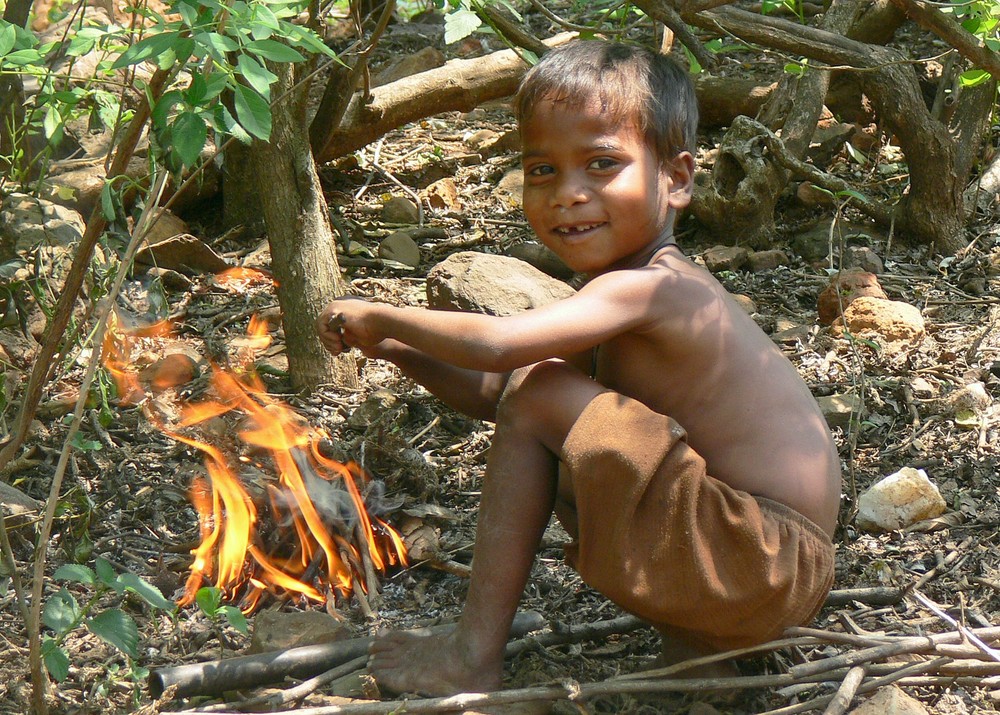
(603, 164)
(539, 170)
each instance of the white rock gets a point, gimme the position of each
(901, 499)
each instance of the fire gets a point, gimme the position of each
(320, 542)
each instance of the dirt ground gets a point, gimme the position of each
(126, 496)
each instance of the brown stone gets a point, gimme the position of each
(891, 320)
(725, 258)
(442, 195)
(850, 285)
(767, 260)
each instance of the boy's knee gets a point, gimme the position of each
(528, 388)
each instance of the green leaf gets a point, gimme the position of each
(966, 418)
(208, 599)
(61, 611)
(236, 619)
(258, 76)
(146, 49)
(106, 572)
(7, 37)
(52, 121)
(189, 133)
(274, 51)
(20, 58)
(86, 445)
(77, 573)
(146, 591)
(55, 659)
(973, 77)
(460, 24)
(253, 112)
(308, 40)
(116, 628)
(853, 194)
(795, 68)
(107, 203)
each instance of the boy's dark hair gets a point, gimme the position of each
(633, 84)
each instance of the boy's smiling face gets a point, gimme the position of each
(594, 190)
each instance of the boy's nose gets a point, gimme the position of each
(569, 192)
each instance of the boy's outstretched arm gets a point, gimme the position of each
(472, 392)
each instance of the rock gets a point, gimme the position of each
(167, 226)
(496, 285)
(400, 209)
(864, 259)
(184, 253)
(380, 407)
(172, 370)
(968, 398)
(810, 196)
(726, 258)
(901, 499)
(27, 222)
(511, 188)
(890, 700)
(845, 287)
(745, 302)
(838, 409)
(80, 189)
(399, 247)
(442, 195)
(273, 630)
(767, 260)
(19, 508)
(171, 280)
(827, 140)
(541, 257)
(891, 320)
(426, 59)
(480, 138)
(813, 243)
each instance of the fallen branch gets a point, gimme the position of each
(218, 676)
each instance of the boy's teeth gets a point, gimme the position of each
(577, 229)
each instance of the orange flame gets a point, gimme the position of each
(317, 514)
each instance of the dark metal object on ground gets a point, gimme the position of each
(217, 676)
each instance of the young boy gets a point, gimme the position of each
(679, 448)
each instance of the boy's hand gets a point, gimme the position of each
(348, 323)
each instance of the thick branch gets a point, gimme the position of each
(671, 18)
(967, 44)
(459, 85)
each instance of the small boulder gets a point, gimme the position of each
(890, 700)
(969, 398)
(745, 302)
(401, 248)
(496, 285)
(838, 409)
(767, 260)
(426, 59)
(273, 630)
(845, 287)
(442, 195)
(726, 258)
(26, 222)
(893, 321)
(864, 259)
(511, 188)
(184, 253)
(400, 209)
(901, 499)
(541, 257)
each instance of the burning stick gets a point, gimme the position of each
(218, 676)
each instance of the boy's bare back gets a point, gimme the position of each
(697, 356)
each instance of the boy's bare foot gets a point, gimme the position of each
(674, 652)
(431, 665)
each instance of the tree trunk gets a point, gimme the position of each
(303, 257)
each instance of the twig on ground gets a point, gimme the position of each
(991, 653)
(293, 694)
(845, 693)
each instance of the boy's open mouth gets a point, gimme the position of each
(578, 229)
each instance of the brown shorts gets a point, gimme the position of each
(678, 548)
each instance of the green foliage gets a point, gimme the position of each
(209, 600)
(63, 614)
(982, 19)
(219, 46)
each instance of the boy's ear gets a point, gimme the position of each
(680, 172)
